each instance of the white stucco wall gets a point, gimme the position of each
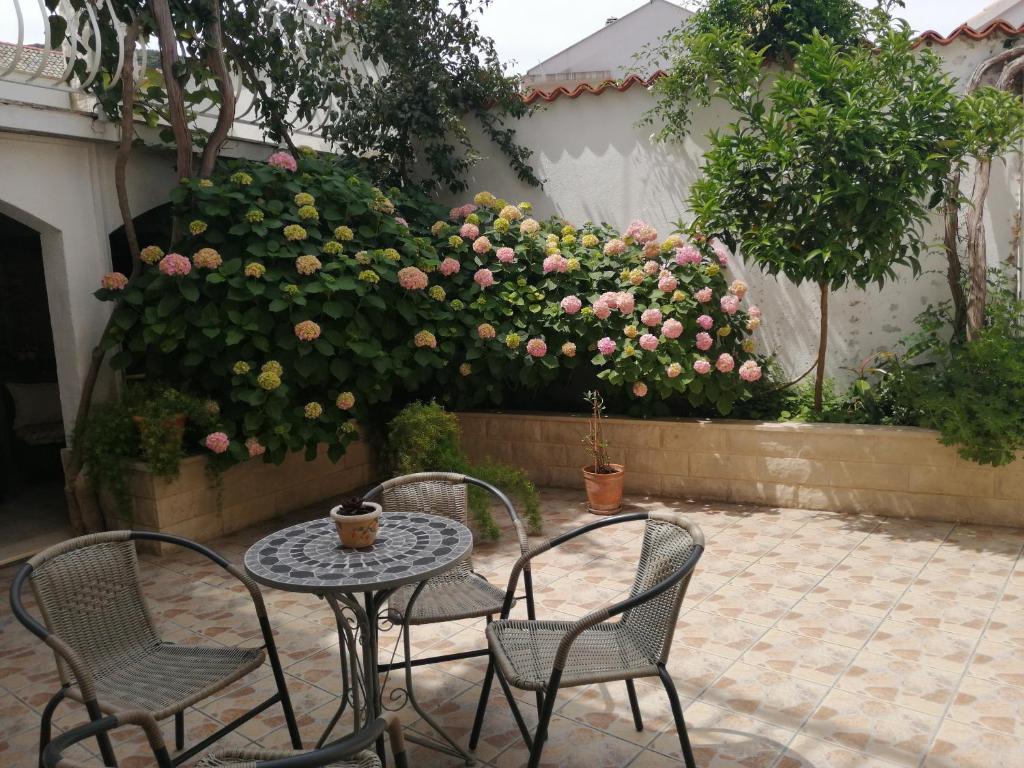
(599, 165)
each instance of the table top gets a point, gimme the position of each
(308, 557)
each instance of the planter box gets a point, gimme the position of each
(892, 471)
(252, 492)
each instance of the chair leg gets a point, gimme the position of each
(481, 708)
(677, 713)
(541, 734)
(179, 730)
(282, 686)
(106, 749)
(45, 726)
(638, 721)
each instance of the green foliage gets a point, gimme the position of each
(973, 392)
(990, 122)
(298, 319)
(699, 56)
(109, 441)
(831, 170)
(423, 437)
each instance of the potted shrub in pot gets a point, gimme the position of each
(357, 522)
(603, 480)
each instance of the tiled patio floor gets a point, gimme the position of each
(808, 639)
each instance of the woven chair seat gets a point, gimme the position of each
(462, 595)
(525, 653)
(166, 678)
(248, 758)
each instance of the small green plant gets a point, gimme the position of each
(109, 440)
(424, 437)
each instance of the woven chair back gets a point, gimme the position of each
(433, 497)
(91, 598)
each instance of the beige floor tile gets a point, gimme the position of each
(572, 745)
(986, 704)
(825, 622)
(867, 571)
(875, 727)
(1000, 662)
(776, 580)
(803, 657)
(925, 645)
(807, 752)
(694, 670)
(735, 602)
(776, 698)
(606, 708)
(964, 746)
(723, 739)
(716, 634)
(816, 562)
(925, 610)
(1006, 625)
(865, 599)
(906, 683)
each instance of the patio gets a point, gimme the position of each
(807, 639)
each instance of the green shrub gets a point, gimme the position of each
(424, 437)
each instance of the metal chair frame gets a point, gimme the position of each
(319, 758)
(408, 663)
(535, 743)
(83, 677)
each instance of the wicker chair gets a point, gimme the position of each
(351, 752)
(544, 656)
(109, 655)
(460, 593)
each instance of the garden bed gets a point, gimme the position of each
(892, 471)
(253, 491)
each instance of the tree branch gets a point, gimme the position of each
(168, 39)
(124, 147)
(226, 115)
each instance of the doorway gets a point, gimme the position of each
(33, 512)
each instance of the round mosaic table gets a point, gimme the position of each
(356, 583)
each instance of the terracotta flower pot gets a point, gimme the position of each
(604, 489)
(357, 531)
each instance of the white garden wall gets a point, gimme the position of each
(598, 164)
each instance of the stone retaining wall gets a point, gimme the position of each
(894, 471)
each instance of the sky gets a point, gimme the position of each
(526, 32)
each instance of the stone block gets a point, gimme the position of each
(779, 469)
(657, 461)
(973, 480)
(696, 436)
(862, 474)
(725, 466)
(1009, 481)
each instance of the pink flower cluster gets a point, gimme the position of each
(555, 263)
(702, 366)
(688, 254)
(536, 348)
(217, 442)
(114, 281)
(703, 341)
(672, 329)
(175, 264)
(667, 283)
(481, 245)
(284, 161)
(601, 309)
(750, 371)
(449, 267)
(307, 330)
(649, 342)
(485, 331)
(505, 255)
(725, 363)
(721, 250)
(614, 247)
(469, 231)
(571, 305)
(730, 304)
(704, 295)
(460, 213)
(483, 277)
(705, 322)
(412, 278)
(640, 389)
(641, 231)
(606, 346)
(651, 268)
(651, 317)
(255, 447)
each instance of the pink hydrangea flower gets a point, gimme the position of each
(611, 298)
(725, 363)
(469, 231)
(730, 304)
(307, 330)
(569, 349)
(114, 281)
(536, 348)
(652, 249)
(704, 295)
(750, 371)
(672, 328)
(721, 250)
(485, 331)
(175, 264)
(412, 278)
(649, 342)
(626, 303)
(461, 212)
(614, 247)
(284, 161)
(506, 255)
(667, 283)
(673, 370)
(606, 346)
(739, 288)
(651, 317)
(481, 245)
(217, 442)
(601, 310)
(639, 389)
(483, 277)
(401, 222)
(651, 268)
(529, 226)
(571, 305)
(702, 366)
(705, 322)
(641, 231)
(704, 341)
(449, 266)
(688, 254)
(555, 263)
(255, 447)
(754, 311)
(425, 339)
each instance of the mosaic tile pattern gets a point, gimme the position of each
(807, 640)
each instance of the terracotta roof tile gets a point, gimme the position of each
(965, 30)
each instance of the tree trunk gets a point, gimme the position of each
(226, 115)
(978, 263)
(161, 11)
(954, 271)
(819, 376)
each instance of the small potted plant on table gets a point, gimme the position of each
(602, 479)
(357, 522)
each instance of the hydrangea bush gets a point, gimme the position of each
(302, 296)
